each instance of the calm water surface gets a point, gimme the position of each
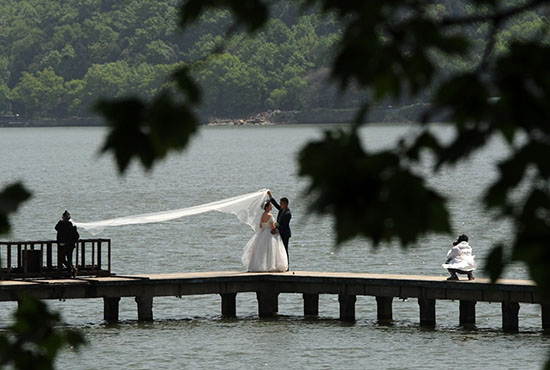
(62, 168)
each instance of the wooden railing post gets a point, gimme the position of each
(83, 257)
(59, 264)
(93, 256)
(19, 265)
(109, 256)
(99, 254)
(76, 266)
(9, 259)
(49, 255)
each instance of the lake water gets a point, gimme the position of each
(64, 171)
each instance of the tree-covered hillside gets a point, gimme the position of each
(58, 57)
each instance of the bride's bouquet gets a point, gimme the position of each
(276, 229)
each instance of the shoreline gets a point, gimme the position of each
(321, 116)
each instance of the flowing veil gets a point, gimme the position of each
(246, 207)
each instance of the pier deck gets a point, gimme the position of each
(267, 286)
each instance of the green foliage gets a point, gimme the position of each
(374, 195)
(32, 342)
(115, 49)
(11, 197)
(39, 94)
(113, 42)
(149, 131)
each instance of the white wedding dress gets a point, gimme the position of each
(265, 251)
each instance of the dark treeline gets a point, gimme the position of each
(58, 57)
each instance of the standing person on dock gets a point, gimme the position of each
(283, 220)
(265, 251)
(460, 259)
(67, 236)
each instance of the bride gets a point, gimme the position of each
(265, 251)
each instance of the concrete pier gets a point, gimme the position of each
(311, 304)
(427, 311)
(268, 303)
(384, 309)
(110, 309)
(229, 304)
(347, 307)
(268, 286)
(145, 307)
(510, 319)
(467, 313)
(545, 314)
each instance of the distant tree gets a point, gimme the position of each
(233, 86)
(4, 89)
(40, 94)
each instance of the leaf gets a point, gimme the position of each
(495, 263)
(369, 194)
(11, 197)
(33, 340)
(146, 131)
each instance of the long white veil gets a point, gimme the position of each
(246, 207)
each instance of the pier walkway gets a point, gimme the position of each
(268, 286)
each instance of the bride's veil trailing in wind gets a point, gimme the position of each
(246, 207)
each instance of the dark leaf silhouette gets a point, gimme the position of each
(147, 132)
(495, 263)
(33, 340)
(11, 197)
(370, 195)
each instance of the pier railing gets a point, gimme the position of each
(41, 258)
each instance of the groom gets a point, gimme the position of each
(283, 220)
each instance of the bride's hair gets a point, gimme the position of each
(266, 204)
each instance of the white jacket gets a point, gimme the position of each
(460, 257)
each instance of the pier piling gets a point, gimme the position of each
(311, 304)
(229, 304)
(145, 308)
(427, 311)
(347, 307)
(545, 316)
(510, 320)
(267, 303)
(467, 314)
(110, 309)
(384, 309)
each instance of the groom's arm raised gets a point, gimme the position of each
(273, 201)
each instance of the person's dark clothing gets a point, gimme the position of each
(283, 222)
(67, 236)
(454, 273)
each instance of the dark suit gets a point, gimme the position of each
(67, 236)
(283, 220)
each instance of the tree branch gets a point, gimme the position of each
(493, 17)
